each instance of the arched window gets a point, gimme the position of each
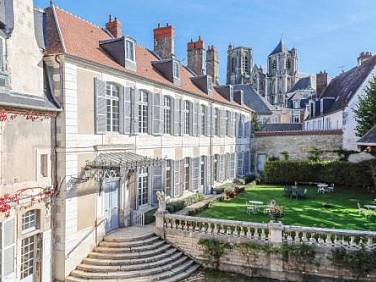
(187, 117)
(167, 115)
(143, 112)
(112, 97)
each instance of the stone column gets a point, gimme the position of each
(276, 261)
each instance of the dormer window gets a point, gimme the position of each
(176, 70)
(210, 84)
(129, 50)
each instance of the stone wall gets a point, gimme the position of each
(185, 232)
(297, 143)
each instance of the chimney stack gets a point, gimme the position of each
(364, 56)
(164, 41)
(212, 64)
(196, 56)
(114, 27)
(321, 82)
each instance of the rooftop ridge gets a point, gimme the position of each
(78, 17)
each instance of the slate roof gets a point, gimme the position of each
(253, 100)
(281, 47)
(71, 35)
(282, 127)
(344, 86)
(29, 102)
(302, 84)
(369, 137)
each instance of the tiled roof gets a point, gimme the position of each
(302, 84)
(80, 38)
(253, 100)
(282, 127)
(369, 137)
(344, 86)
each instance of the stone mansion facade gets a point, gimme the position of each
(134, 122)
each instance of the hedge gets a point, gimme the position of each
(338, 172)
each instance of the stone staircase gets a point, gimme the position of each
(138, 259)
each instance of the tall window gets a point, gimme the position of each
(187, 117)
(142, 187)
(167, 115)
(216, 122)
(112, 97)
(203, 174)
(187, 174)
(203, 120)
(216, 167)
(143, 112)
(168, 178)
(130, 50)
(28, 255)
(228, 123)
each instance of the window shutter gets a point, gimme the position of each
(195, 119)
(195, 173)
(240, 169)
(157, 174)
(222, 123)
(233, 125)
(208, 120)
(237, 122)
(157, 114)
(150, 112)
(135, 112)
(246, 163)
(182, 117)
(182, 175)
(212, 121)
(100, 106)
(222, 169)
(232, 165)
(9, 246)
(211, 171)
(125, 110)
(176, 108)
(2, 54)
(175, 177)
(121, 110)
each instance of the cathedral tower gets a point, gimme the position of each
(239, 65)
(282, 73)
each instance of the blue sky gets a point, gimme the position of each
(329, 34)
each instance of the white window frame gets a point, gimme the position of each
(176, 69)
(143, 112)
(217, 125)
(142, 188)
(203, 119)
(112, 103)
(187, 117)
(43, 180)
(130, 57)
(30, 221)
(167, 115)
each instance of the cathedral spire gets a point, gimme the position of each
(281, 47)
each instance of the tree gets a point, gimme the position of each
(365, 113)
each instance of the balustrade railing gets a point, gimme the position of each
(262, 232)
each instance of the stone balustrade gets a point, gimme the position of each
(274, 233)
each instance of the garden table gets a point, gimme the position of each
(370, 207)
(322, 188)
(256, 202)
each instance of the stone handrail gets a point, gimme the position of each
(275, 233)
(210, 226)
(326, 237)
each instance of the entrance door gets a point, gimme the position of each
(30, 258)
(111, 188)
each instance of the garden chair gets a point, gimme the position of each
(331, 188)
(360, 209)
(250, 208)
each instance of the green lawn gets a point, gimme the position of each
(309, 212)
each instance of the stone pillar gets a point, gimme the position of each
(275, 229)
(159, 223)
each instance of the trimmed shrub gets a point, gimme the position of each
(149, 216)
(338, 172)
(177, 205)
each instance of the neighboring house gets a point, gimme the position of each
(135, 122)
(27, 118)
(254, 101)
(368, 141)
(334, 109)
(298, 97)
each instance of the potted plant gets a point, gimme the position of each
(275, 211)
(229, 193)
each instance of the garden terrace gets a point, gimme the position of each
(338, 209)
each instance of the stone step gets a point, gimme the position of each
(135, 267)
(104, 262)
(110, 238)
(182, 275)
(181, 263)
(147, 247)
(132, 255)
(130, 244)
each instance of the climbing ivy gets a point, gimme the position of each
(214, 248)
